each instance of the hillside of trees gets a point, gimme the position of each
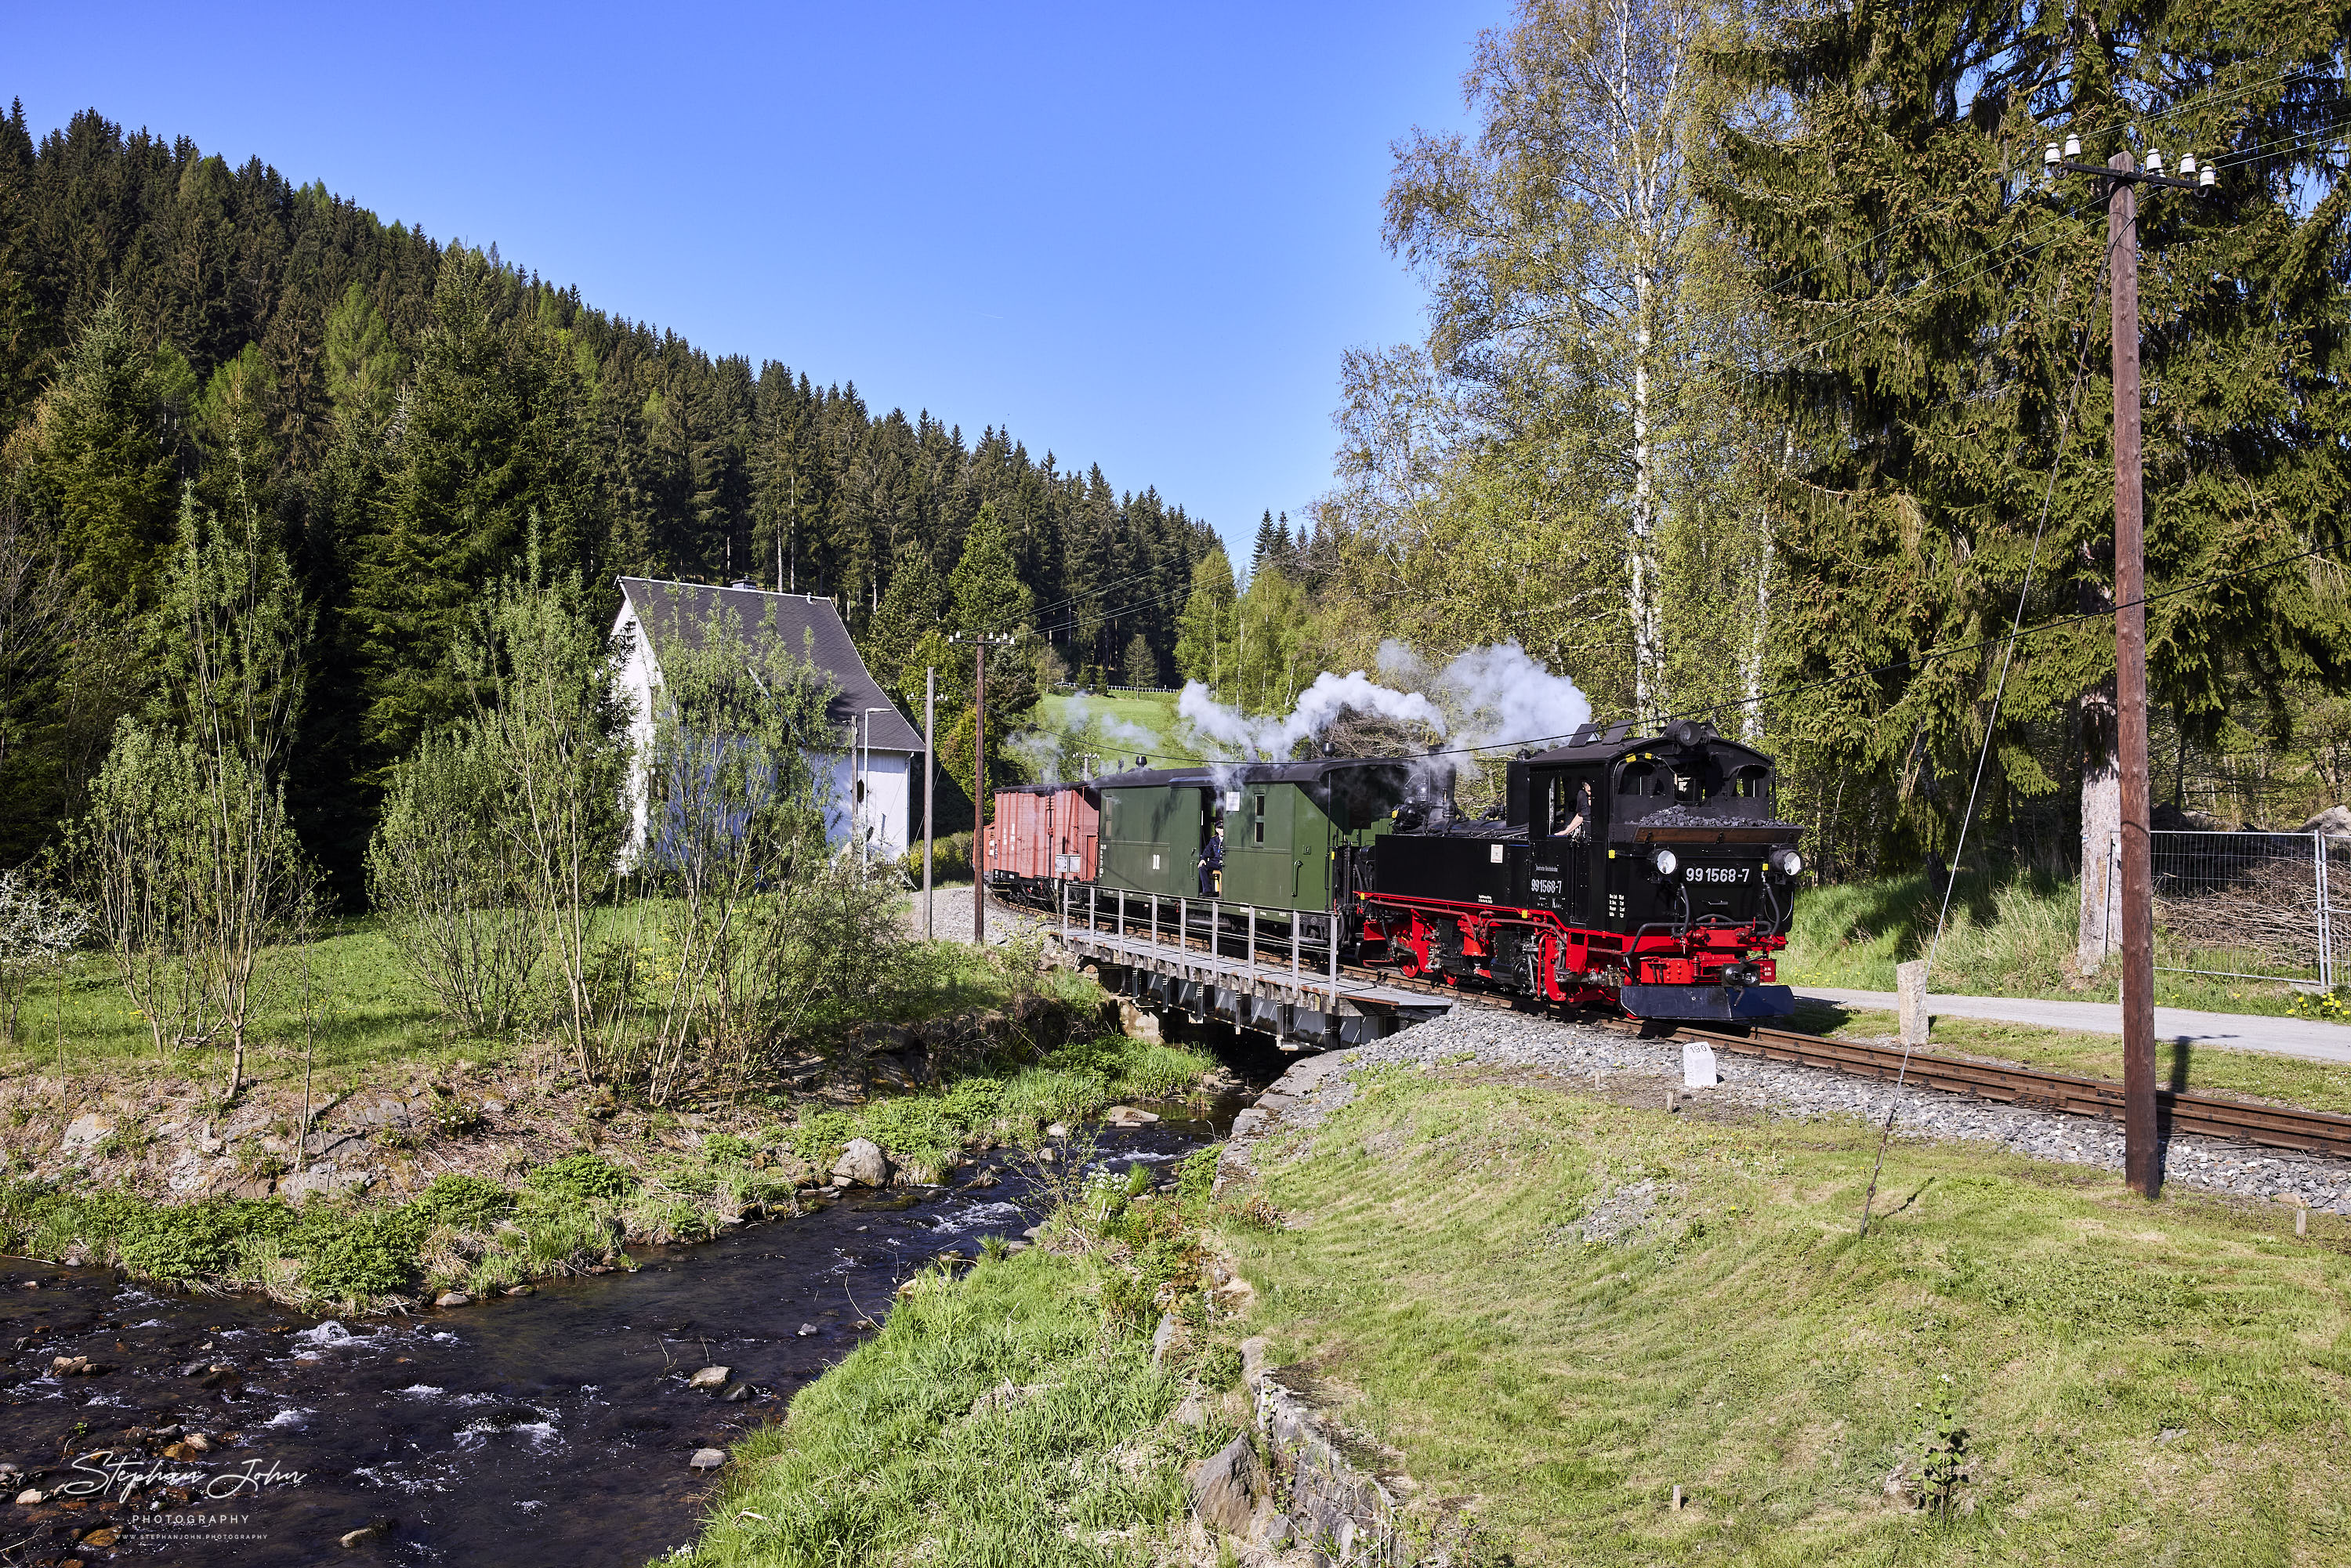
(408, 415)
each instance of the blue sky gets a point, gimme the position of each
(1139, 237)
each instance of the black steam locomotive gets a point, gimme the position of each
(1642, 872)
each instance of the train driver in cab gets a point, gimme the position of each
(1212, 858)
(1575, 825)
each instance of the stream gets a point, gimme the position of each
(553, 1429)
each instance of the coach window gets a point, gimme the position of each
(1257, 831)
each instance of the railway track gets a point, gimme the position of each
(2029, 1087)
(2176, 1110)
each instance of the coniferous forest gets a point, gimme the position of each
(415, 419)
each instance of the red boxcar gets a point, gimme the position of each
(1043, 833)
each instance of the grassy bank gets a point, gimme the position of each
(367, 1009)
(2011, 934)
(2319, 1085)
(1006, 1418)
(520, 1206)
(1563, 1310)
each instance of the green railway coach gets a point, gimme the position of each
(1286, 828)
(1153, 822)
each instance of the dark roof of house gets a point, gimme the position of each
(674, 612)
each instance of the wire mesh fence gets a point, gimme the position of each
(2252, 906)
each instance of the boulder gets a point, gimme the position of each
(1225, 1485)
(85, 1132)
(453, 1299)
(31, 1497)
(707, 1459)
(326, 1178)
(1128, 1116)
(352, 1540)
(2335, 822)
(709, 1378)
(1164, 1336)
(863, 1164)
(1257, 1355)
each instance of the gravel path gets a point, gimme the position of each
(2312, 1038)
(1647, 1068)
(952, 915)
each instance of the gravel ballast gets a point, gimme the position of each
(1493, 1039)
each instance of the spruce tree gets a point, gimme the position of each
(1269, 546)
(986, 587)
(494, 445)
(916, 599)
(98, 463)
(1930, 298)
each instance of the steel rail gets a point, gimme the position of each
(2179, 1111)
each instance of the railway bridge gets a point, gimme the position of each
(1272, 969)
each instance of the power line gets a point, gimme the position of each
(1914, 661)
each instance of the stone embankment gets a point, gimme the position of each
(1649, 1072)
(1298, 1492)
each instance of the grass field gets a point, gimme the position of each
(1104, 726)
(2120, 1383)
(368, 1012)
(2011, 935)
(1006, 1418)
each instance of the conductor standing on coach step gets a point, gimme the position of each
(1212, 858)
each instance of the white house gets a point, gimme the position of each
(877, 752)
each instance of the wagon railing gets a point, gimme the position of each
(1217, 935)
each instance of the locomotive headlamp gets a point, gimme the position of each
(1787, 863)
(1666, 861)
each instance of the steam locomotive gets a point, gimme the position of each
(1642, 872)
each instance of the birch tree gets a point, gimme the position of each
(1558, 244)
(550, 722)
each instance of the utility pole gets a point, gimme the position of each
(979, 641)
(2123, 176)
(930, 787)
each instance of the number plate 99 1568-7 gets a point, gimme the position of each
(1722, 873)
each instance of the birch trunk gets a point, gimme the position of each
(1648, 696)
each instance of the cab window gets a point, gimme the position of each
(1752, 782)
(1651, 778)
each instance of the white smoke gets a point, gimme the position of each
(1498, 696)
(1271, 738)
(1485, 699)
